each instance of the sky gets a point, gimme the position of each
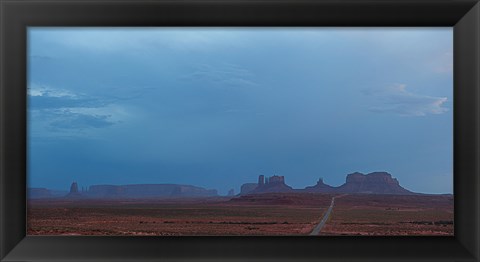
(216, 107)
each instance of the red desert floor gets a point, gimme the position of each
(266, 214)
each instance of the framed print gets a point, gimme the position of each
(239, 130)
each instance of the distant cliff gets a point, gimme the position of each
(148, 191)
(272, 184)
(37, 193)
(376, 183)
(320, 187)
(372, 183)
(125, 191)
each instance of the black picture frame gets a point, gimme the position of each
(17, 15)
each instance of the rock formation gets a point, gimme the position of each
(266, 185)
(261, 180)
(247, 188)
(74, 188)
(74, 191)
(320, 187)
(373, 183)
(39, 193)
(149, 191)
(273, 184)
(125, 191)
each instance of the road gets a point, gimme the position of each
(320, 225)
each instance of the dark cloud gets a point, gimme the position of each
(61, 110)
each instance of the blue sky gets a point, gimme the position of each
(216, 107)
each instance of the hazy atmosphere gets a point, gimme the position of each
(216, 107)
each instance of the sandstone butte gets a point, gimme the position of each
(372, 183)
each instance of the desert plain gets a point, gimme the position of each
(272, 214)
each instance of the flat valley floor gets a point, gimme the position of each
(276, 214)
